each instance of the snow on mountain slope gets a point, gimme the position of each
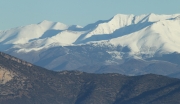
(121, 25)
(144, 34)
(63, 38)
(162, 37)
(22, 35)
(53, 25)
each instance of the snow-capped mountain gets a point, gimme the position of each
(57, 46)
(142, 34)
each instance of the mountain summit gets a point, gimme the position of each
(57, 46)
(145, 34)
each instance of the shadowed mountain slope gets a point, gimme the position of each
(24, 83)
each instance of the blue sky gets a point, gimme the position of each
(15, 13)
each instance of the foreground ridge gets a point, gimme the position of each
(33, 84)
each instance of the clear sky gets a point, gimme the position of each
(15, 13)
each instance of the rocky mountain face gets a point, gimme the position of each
(150, 39)
(24, 83)
(92, 59)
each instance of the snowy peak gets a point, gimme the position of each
(161, 37)
(151, 18)
(24, 34)
(122, 20)
(46, 23)
(147, 33)
(53, 25)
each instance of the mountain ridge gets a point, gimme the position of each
(33, 84)
(56, 46)
(106, 30)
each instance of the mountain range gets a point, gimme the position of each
(24, 83)
(151, 41)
